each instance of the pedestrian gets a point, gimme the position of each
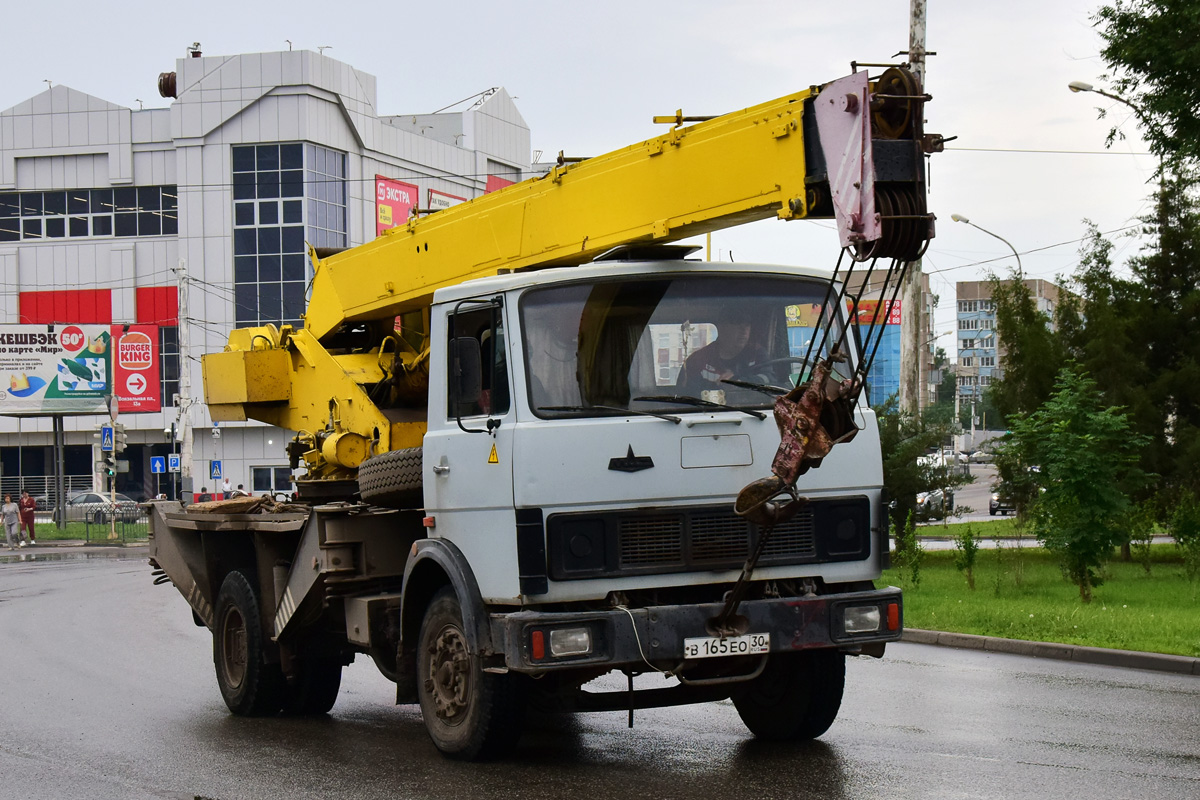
(240, 491)
(11, 514)
(226, 490)
(204, 495)
(28, 515)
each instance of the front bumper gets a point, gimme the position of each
(654, 636)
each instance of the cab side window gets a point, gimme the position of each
(485, 324)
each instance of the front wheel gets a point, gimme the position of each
(469, 714)
(796, 697)
(315, 688)
(251, 687)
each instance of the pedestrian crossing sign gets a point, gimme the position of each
(215, 472)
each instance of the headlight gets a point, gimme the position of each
(570, 642)
(861, 619)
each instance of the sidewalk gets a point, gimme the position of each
(1130, 659)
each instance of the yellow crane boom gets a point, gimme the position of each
(850, 149)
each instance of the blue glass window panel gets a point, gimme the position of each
(78, 226)
(268, 156)
(170, 223)
(268, 184)
(125, 199)
(246, 302)
(270, 302)
(77, 202)
(243, 186)
(291, 156)
(149, 224)
(243, 214)
(293, 239)
(243, 159)
(32, 229)
(268, 240)
(102, 226)
(31, 204)
(293, 300)
(56, 227)
(149, 198)
(268, 268)
(10, 229)
(170, 198)
(245, 242)
(293, 211)
(125, 225)
(245, 269)
(55, 202)
(268, 213)
(291, 183)
(293, 267)
(10, 205)
(102, 201)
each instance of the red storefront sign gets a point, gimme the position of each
(394, 201)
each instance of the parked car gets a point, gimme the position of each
(99, 508)
(1000, 503)
(935, 504)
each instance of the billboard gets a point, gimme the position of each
(72, 369)
(394, 200)
(439, 200)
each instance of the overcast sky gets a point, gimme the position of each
(1029, 163)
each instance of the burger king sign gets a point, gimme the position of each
(136, 371)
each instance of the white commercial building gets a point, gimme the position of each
(104, 210)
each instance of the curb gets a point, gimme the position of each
(1129, 659)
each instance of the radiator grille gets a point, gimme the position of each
(706, 538)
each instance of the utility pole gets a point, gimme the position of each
(185, 382)
(911, 305)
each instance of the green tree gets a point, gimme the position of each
(1153, 58)
(1033, 354)
(1086, 453)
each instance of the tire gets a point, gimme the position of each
(471, 715)
(796, 697)
(315, 689)
(251, 687)
(392, 479)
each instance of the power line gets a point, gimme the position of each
(1048, 152)
(1033, 250)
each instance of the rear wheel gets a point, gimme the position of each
(796, 697)
(470, 714)
(251, 687)
(392, 479)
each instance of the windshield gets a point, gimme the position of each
(648, 345)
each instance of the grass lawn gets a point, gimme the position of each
(1020, 593)
(49, 532)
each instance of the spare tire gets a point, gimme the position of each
(392, 479)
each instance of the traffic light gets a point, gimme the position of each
(120, 437)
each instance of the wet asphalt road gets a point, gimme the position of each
(108, 692)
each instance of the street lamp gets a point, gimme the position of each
(1081, 86)
(1020, 269)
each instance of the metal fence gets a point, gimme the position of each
(42, 487)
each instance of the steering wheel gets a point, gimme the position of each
(759, 373)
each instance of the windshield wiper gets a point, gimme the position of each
(667, 417)
(765, 388)
(688, 400)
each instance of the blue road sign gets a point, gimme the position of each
(215, 472)
(158, 465)
(106, 439)
(173, 462)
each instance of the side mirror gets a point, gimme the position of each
(466, 374)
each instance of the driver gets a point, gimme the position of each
(731, 355)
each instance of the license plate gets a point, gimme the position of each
(714, 646)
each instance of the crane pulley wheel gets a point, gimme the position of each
(894, 102)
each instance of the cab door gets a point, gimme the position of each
(467, 456)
